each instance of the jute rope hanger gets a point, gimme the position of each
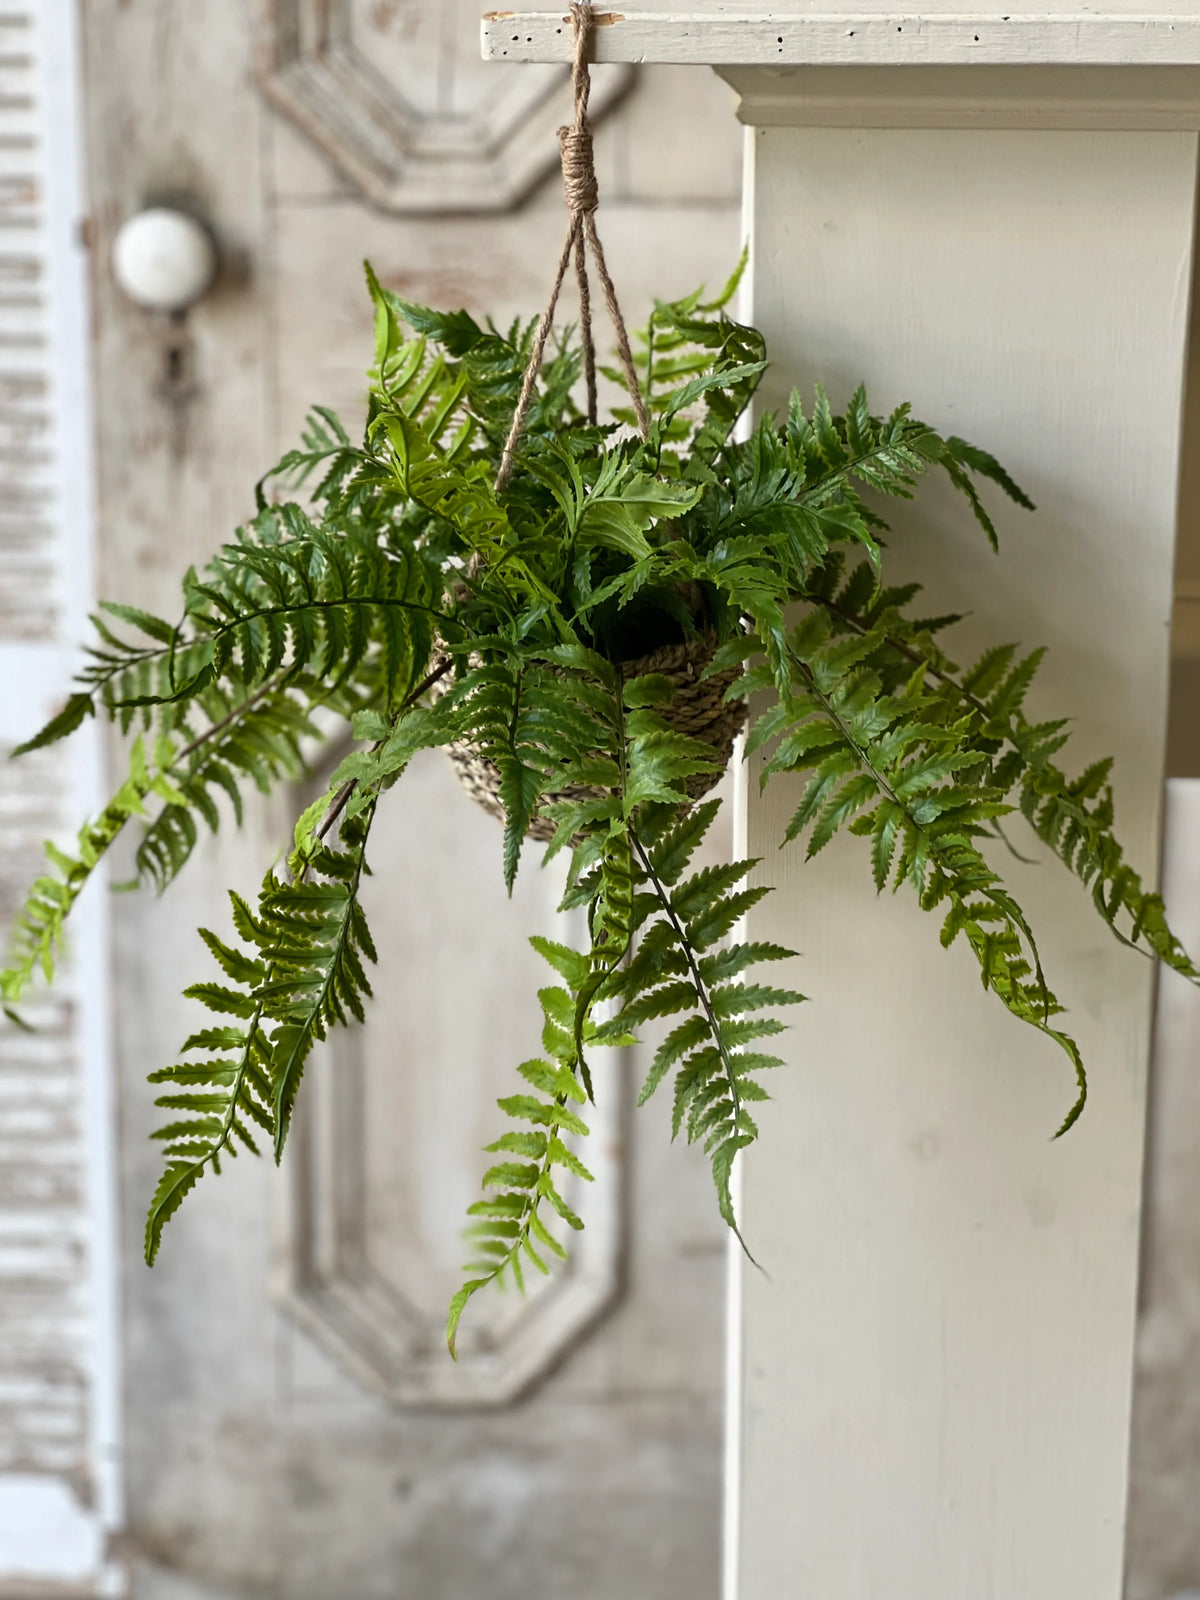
(582, 194)
(698, 706)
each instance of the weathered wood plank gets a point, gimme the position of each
(849, 37)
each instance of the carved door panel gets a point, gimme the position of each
(293, 1428)
(387, 89)
(398, 1110)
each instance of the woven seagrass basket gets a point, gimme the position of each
(697, 709)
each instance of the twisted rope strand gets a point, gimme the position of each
(582, 196)
(585, 322)
(629, 371)
(574, 235)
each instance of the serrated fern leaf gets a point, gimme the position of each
(37, 933)
(514, 1223)
(298, 972)
(894, 767)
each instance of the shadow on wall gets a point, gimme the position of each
(1183, 755)
(1163, 1550)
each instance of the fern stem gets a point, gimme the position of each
(864, 760)
(1003, 902)
(219, 628)
(1095, 830)
(309, 1028)
(232, 716)
(698, 983)
(836, 477)
(348, 788)
(336, 809)
(322, 605)
(915, 656)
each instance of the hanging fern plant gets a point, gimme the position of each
(579, 614)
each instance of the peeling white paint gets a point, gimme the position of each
(45, 1534)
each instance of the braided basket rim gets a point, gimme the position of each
(717, 725)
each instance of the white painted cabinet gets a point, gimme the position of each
(943, 1354)
(931, 1381)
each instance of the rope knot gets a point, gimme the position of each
(579, 182)
(578, 169)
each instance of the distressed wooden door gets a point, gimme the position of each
(292, 1427)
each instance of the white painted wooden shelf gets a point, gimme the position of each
(848, 36)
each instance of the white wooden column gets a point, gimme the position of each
(936, 1375)
(931, 1381)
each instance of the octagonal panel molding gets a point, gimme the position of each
(395, 93)
(386, 1151)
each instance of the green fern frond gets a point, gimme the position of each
(299, 972)
(510, 1225)
(898, 769)
(37, 933)
(714, 1073)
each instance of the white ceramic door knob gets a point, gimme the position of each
(164, 259)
